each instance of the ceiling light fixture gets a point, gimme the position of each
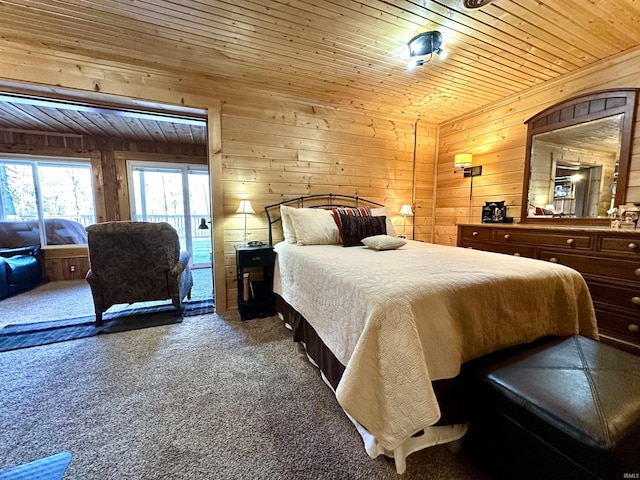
(475, 4)
(426, 43)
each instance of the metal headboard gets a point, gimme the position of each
(325, 200)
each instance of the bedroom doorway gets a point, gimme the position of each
(178, 194)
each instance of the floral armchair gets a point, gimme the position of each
(136, 262)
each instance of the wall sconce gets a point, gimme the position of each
(245, 208)
(405, 211)
(203, 224)
(426, 43)
(462, 163)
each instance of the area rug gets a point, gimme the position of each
(49, 468)
(13, 337)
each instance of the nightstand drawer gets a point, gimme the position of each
(256, 259)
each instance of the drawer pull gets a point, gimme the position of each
(633, 328)
(475, 234)
(637, 272)
(570, 241)
(555, 260)
(516, 254)
(507, 236)
(633, 246)
(635, 300)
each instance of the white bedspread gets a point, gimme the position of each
(399, 319)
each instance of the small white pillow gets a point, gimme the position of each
(382, 211)
(383, 242)
(314, 226)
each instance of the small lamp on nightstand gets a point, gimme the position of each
(245, 208)
(405, 211)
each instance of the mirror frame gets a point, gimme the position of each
(574, 111)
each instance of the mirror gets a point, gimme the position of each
(577, 158)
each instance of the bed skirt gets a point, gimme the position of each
(451, 393)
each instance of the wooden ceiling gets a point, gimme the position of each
(343, 52)
(21, 113)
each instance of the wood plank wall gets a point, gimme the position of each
(496, 135)
(273, 146)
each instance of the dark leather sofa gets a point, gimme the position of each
(20, 270)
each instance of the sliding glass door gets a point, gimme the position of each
(177, 194)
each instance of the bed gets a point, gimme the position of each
(391, 329)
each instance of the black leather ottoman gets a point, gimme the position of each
(566, 408)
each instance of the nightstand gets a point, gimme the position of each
(255, 281)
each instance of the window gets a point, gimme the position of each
(45, 201)
(178, 194)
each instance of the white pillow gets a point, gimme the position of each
(379, 212)
(314, 226)
(287, 224)
(383, 242)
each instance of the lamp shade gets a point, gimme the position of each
(463, 160)
(405, 211)
(245, 207)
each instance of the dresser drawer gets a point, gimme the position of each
(622, 244)
(474, 233)
(616, 296)
(517, 250)
(605, 267)
(544, 238)
(619, 325)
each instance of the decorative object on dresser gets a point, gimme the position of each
(608, 259)
(625, 216)
(255, 281)
(495, 212)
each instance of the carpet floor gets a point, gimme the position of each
(34, 334)
(210, 398)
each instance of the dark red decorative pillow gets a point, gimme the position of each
(354, 229)
(351, 211)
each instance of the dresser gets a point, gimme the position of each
(608, 259)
